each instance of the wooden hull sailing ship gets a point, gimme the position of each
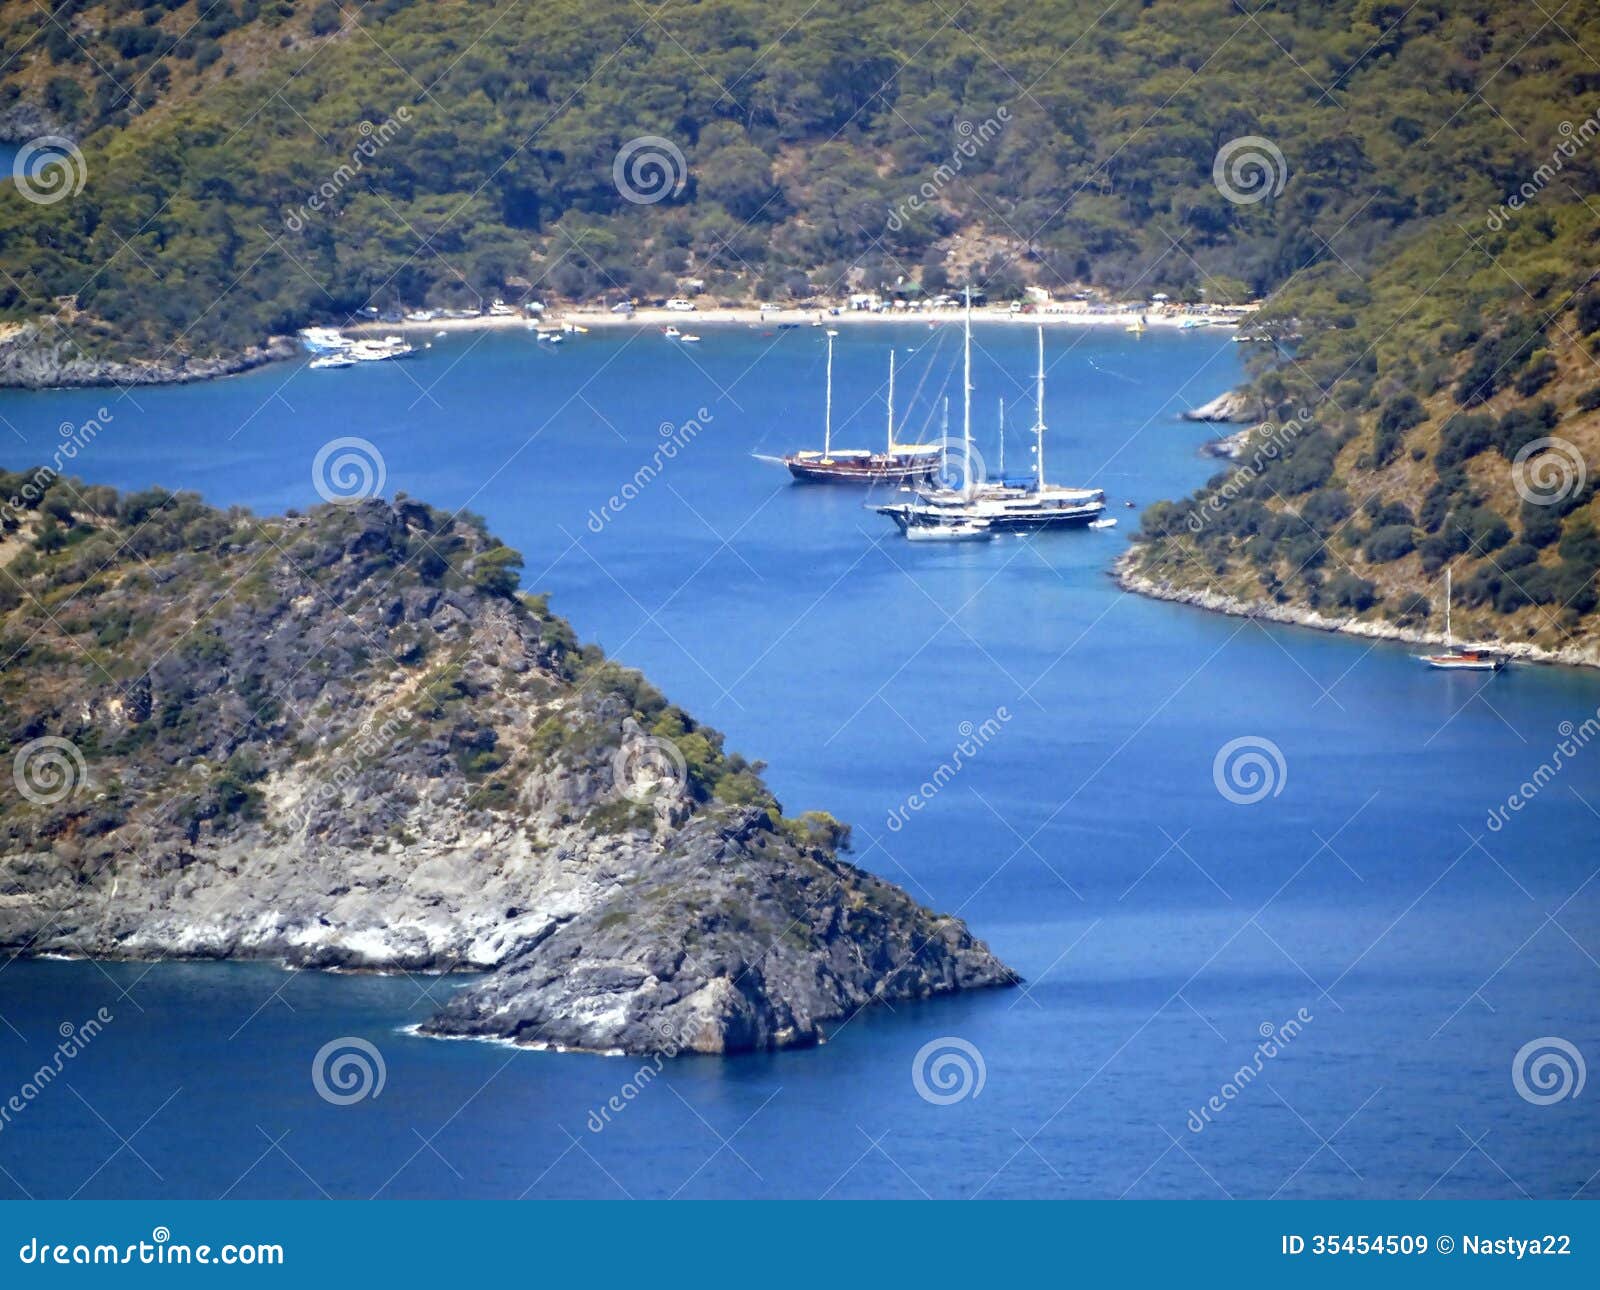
(899, 463)
(1460, 658)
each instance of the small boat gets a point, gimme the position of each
(328, 361)
(1137, 327)
(1461, 658)
(952, 531)
(690, 340)
(672, 333)
(324, 340)
(1106, 523)
(377, 351)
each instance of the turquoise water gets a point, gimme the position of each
(1159, 924)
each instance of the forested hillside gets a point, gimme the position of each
(1077, 142)
(1413, 187)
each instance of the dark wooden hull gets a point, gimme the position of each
(857, 472)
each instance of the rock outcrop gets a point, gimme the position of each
(343, 740)
(1230, 405)
(37, 356)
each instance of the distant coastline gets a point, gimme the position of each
(1128, 576)
(744, 315)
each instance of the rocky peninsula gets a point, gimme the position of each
(346, 740)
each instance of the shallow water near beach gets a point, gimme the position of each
(1360, 921)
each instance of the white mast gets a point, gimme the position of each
(944, 442)
(1038, 428)
(1002, 466)
(891, 400)
(966, 399)
(827, 413)
(1449, 640)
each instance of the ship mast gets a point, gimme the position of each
(891, 401)
(1038, 429)
(1449, 640)
(966, 399)
(1002, 467)
(944, 442)
(827, 412)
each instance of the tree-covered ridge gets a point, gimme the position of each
(805, 130)
(148, 629)
(1477, 452)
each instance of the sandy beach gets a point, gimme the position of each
(1123, 317)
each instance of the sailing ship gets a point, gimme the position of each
(1461, 658)
(1003, 505)
(899, 463)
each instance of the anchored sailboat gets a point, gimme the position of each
(1002, 505)
(898, 464)
(1460, 658)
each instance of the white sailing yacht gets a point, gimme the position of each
(1002, 505)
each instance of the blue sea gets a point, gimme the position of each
(1349, 986)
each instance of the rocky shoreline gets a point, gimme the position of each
(375, 755)
(1129, 579)
(32, 360)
